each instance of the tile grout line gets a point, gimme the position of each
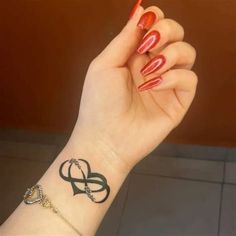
(180, 178)
(221, 201)
(46, 140)
(25, 159)
(123, 208)
(194, 158)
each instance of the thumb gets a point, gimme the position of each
(117, 53)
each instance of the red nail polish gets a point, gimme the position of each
(150, 84)
(154, 65)
(138, 3)
(149, 42)
(147, 20)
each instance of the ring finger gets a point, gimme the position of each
(177, 55)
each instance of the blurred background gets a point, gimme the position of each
(46, 47)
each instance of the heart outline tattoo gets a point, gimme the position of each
(89, 178)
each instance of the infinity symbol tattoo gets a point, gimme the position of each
(83, 181)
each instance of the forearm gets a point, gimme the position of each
(79, 209)
(121, 120)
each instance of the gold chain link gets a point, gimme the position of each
(45, 202)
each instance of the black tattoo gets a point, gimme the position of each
(78, 173)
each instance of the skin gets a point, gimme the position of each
(117, 125)
(128, 123)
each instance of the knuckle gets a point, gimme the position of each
(194, 51)
(175, 48)
(190, 49)
(184, 48)
(173, 26)
(167, 26)
(193, 77)
(181, 30)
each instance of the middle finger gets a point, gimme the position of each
(163, 32)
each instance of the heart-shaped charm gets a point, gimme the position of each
(33, 195)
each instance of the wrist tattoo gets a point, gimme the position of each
(78, 173)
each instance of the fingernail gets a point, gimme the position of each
(150, 84)
(147, 20)
(149, 42)
(154, 65)
(138, 3)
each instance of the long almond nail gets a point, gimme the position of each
(138, 3)
(149, 42)
(154, 65)
(147, 20)
(150, 84)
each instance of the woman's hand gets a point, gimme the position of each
(119, 123)
(137, 90)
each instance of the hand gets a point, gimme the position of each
(120, 118)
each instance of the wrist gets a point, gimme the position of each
(98, 152)
(83, 194)
(110, 176)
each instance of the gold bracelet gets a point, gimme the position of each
(35, 195)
